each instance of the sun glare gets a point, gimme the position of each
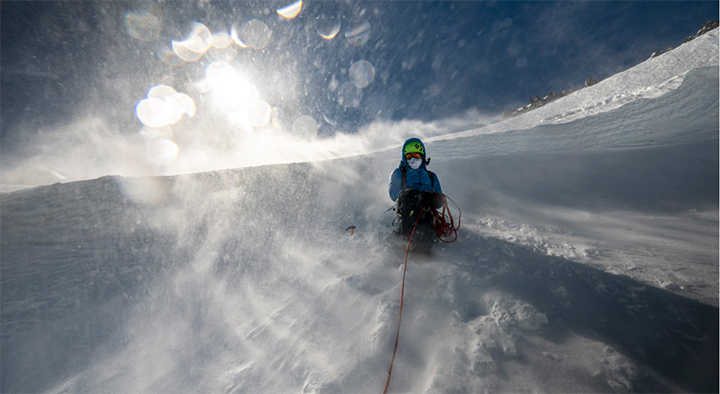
(233, 94)
(229, 90)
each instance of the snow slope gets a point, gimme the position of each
(587, 262)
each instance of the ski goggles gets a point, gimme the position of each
(415, 155)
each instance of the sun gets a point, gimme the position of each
(228, 89)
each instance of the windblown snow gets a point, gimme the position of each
(587, 261)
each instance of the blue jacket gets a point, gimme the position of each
(414, 179)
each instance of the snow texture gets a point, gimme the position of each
(587, 261)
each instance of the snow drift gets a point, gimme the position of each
(587, 261)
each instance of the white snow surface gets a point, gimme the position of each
(587, 261)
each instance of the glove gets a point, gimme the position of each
(428, 199)
(437, 200)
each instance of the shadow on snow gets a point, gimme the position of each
(677, 337)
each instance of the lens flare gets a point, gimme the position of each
(187, 104)
(290, 11)
(235, 35)
(143, 25)
(349, 95)
(183, 51)
(305, 127)
(161, 91)
(327, 28)
(329, 121)
(153, 112)
(195, 44)
(362, 74)
(221, 48)
(220, 40)
(200, 38)
(358, 34)
(168, 56)
(164, 106)
(256, 34)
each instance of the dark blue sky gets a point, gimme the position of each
(432, 60)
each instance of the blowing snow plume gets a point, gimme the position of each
(587, 261)
(91, 148)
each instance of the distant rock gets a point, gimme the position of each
(658, 53)
(537, 102)
(573, 90)
(710, 25)
(590, 82)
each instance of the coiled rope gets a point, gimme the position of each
(443, 221)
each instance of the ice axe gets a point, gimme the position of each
(352, 230)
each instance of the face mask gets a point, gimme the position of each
(415, 163)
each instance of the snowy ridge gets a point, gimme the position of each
(651, 79)
(587, 262)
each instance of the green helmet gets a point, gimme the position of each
(413, 145)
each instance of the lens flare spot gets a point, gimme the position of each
(329, 121)
(221, 48)
(305, 127)
(327, 28)
(236, 37)
(161, 91)
(195, 44)
(183, 51)
(220, 40)
(349, 95)
(153, 112)
(143, 25)
(359, 33)
(256, 34)
(276, 118)
(200, 37)
(164, 106)
(187, 104)
(229, 89)
(290, 11)
(168, 56)
(362, 74)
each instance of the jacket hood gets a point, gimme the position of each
(420, 148)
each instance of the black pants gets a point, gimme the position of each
(414, 210)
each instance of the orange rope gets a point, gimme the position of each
(402, 297)
(444, 226)
(444, 223)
